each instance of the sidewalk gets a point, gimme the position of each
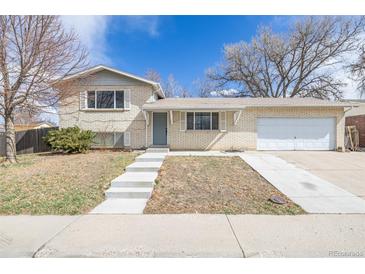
(22, 236)
(190, 235)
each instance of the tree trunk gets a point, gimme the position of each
(10, 140)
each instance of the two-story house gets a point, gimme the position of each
(129, 111)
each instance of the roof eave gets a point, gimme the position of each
(158, 108)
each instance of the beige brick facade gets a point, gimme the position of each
(131, 120)
(238, 136)
(243, 134)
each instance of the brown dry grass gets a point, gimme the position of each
(59, 184)
(221, 185)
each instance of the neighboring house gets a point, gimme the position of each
(134, 113)
(356, 117)
(23, 127)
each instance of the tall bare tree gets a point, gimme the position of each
(300, 62)
(358, 71)
(153, 75)
(172, 88)
(184, 93)
(36, 53)
(204, 87)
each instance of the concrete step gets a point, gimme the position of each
(120, 206)
(144, 167)
(135, 179)
(129, 192)
(132, 184)
(158, 150)
(151, 157)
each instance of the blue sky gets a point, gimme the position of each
(184, 46)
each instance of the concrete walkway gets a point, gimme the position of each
(130, 191)
(214, 153)
(313, 194)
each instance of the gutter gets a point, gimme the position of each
(233, 109)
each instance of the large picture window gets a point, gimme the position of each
(202, 120)
(105, 99)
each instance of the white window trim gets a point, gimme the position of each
(96, 100)
(211, 121)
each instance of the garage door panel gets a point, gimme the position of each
(296, 133)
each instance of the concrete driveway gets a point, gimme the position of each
(346, 170)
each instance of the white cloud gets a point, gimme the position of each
(92, 31)
(224, 92)
(350, 90)
(341, 72)
(148, 24)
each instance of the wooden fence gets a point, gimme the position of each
(29, 141)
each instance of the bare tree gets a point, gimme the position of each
(153, 75)
(184, 93)
(172, 88)
(204, 87)
(25, 117)
(358, 71)
(300, 62)
(36, 54)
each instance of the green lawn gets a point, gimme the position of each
(59, 184)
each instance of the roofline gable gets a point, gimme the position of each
(99, 68)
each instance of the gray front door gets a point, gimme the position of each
(159, 128)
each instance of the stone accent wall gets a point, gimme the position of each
(243, 135)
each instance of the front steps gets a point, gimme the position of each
(130, 191)
(158, 150)
(135, 179)
(144, 167)
(151, 157)
(121, 206)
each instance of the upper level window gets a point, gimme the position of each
(202, 120)
(105, 99)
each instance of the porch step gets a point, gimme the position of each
(120, 206)
(135, 179)
(129, 192)
(158, 150)
(144, 167)
(151, 157)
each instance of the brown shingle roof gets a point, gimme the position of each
(238, 103)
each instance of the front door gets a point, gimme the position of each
(160, 128)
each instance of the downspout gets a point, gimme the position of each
(146, 127)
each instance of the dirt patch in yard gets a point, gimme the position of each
(221, 185)
(59, 184)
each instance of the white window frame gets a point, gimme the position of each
(211, 121)
(96, 99)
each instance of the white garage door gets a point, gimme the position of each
(296, 133)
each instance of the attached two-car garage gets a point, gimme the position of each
(296, 133)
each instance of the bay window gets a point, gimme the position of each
(105, 99)
(202, 120)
